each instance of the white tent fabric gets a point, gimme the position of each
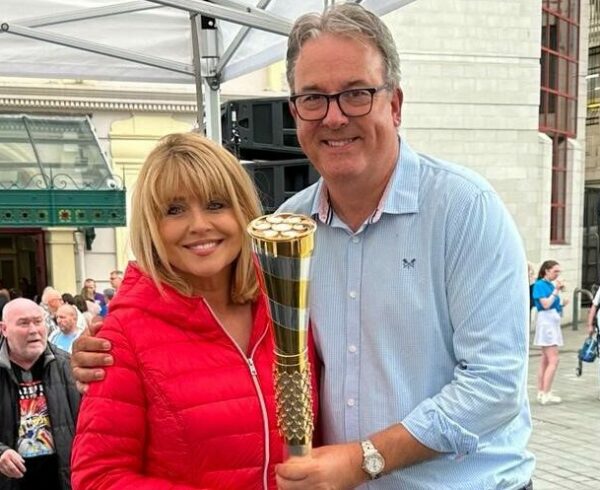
(158, 32)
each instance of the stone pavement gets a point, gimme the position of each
(566, 437)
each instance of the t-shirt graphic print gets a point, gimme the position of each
(35, 435)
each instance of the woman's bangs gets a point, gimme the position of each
(183, 179)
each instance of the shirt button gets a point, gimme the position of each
(352, 348)
(350, 402)
(355, 239)
(353, 294)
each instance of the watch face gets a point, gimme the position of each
(374, 464)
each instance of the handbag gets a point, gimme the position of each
(589, 350)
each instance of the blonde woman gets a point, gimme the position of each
(189, 400)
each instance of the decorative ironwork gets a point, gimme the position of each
(54, 207)
(63, 181)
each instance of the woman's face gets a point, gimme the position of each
(553, 272)
(202, 241)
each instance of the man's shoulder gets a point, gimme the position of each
(60, 356)
(456, 175)
(301, 202)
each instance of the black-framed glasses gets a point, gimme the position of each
(354, 102)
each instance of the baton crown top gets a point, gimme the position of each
(282, 227)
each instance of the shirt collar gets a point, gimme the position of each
(401, 195)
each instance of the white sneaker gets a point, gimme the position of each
(539, 396)
(549, 398)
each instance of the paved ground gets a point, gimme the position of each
(566, 437)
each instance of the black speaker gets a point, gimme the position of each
(277, 181)
(260, 129)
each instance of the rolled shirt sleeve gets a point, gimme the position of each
(487, 297)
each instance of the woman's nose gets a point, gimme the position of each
(199, 220)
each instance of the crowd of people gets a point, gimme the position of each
(66, 315)
(39, 401)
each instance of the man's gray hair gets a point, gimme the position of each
(349, 20)
(49, 294)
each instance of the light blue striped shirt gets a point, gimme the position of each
(420, 317)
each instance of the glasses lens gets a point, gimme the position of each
(311, 106)
(356, 102)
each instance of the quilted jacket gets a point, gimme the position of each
(182, 407)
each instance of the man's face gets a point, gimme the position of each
(25, 331)
(66, 318)
(363, 149)
(115, 280)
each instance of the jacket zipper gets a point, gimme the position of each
(256, 382)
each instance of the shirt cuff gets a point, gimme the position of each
(432, 428)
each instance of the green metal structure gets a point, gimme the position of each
(54, 173)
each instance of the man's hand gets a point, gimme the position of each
(89, 355)
(335, 467)
(590, 329)
(12, 465)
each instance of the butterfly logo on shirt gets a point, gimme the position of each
(408, 263)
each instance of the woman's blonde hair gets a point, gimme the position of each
(188, 165)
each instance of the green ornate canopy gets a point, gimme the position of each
(54, 173)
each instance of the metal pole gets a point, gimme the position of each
(196, 21)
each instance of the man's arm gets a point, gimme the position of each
(90, 354)
(590, 319)
(340, 464)
(592, 313)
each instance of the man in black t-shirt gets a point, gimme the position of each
(38, 403)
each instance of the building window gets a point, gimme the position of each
(558, 98)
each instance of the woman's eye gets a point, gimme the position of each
(215, 205)
(174, 209)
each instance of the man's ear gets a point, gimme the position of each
(3, 328)
(397, 99)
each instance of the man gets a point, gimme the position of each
(51, 301)
(67, 331)
(418, 294)
(116, 278)
(38, 403)
(109, 294)
(89, 292)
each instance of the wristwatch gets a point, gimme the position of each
(373, 462)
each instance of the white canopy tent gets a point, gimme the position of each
(186, 41)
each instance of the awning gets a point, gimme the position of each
(54, 173)
(201, 41)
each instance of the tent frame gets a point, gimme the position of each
(208, 64)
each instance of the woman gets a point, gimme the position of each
(548, 335)
(189, 402)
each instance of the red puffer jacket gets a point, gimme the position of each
(183, 407)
